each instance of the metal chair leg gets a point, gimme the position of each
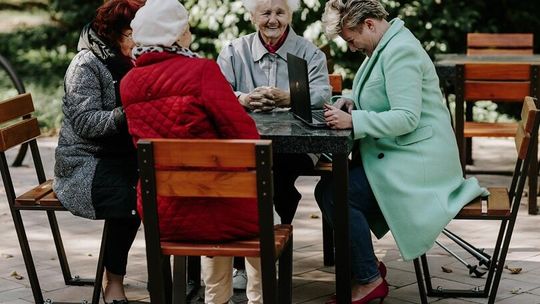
(179, 280)
(420, 281)
(285, 275)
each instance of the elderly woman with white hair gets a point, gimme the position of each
(256, 67)
(405, 173)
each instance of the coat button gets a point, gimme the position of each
(381, 155)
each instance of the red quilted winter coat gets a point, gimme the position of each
(172, 96)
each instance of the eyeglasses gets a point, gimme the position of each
(129, 36)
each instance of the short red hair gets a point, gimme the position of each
(113, 17)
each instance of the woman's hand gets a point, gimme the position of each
(337, 118)
(260, 99)
(265, 99)
(345, 104)
(280, 97)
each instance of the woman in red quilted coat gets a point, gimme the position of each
(172, 93)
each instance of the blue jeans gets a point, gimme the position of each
(361, 202)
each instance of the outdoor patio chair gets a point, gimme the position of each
(495, 44)
(498, 82)
(502, 205)
(220, 169)
(17, 126)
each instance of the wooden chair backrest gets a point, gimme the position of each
(508, 82)
(16, 124)
(219, 168)
(499, 44)
(529, 115)
(206, 168)
(336, 82)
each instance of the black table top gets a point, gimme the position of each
(290, 135)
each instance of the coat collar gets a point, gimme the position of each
(396, 25)
(258, 49)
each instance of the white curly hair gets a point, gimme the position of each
(251, 5)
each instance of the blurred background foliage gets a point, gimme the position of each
(39, 37)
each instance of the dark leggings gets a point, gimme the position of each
(121, 233)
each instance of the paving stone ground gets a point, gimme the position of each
(313, 283)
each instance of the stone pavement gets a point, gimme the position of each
(313, 283)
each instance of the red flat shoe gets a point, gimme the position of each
(382, 272)
(380, 292)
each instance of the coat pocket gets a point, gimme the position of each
(419, 134)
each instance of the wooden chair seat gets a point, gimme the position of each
(249, 248)
(489, 129)
(39, 197)
(496, 205)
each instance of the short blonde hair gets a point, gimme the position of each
(251, 5)
(338, 15)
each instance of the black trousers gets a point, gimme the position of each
(121, 233)
(287, 168)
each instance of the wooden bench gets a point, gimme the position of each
(17, 126)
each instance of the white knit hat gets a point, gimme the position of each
(159, 22)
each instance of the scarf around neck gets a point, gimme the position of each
(175, 49)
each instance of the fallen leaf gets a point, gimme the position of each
(7, 255)
(513, 270)
(314, 216)
(16, 276)
(516, 290)
(446, 270)
(90, 255)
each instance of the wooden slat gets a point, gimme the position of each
(522, 141)
(202, 153)
(15, 107)
(50, 200)
(207, 184)
(336, 82)
(247, 248)
(33, 196)
(498, 204)
(497, 71)
(503, 40)
(19, 133)
(489, 129)
(499, 52)
(496, 90)
(528, 113)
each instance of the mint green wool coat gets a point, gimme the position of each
(407, 145)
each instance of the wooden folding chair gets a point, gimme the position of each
(502, 205)
(499, 44)
(210, 168)
(17, 126)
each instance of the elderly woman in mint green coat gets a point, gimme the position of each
(405, 174)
